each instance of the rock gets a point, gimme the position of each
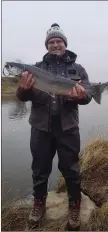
(87, 206)
(57, 207)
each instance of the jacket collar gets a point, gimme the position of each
(67, 57)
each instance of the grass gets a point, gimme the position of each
(8, 86)
(14, 219)
(99, 219)
(94, 170)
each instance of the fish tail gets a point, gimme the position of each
(97, 96)
(99, 89)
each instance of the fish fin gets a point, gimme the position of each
(18, 61)
(99, 89)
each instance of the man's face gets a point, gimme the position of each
(56, 46)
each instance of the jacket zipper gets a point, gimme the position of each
(58, 67)
(49, 115)
(59, 97)
(49, 118)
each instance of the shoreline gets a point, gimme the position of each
(56, 215)
(8, 87)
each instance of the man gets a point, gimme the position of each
(54, 126)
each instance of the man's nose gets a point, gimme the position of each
(55, 44)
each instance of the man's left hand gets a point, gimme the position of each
(77, 92)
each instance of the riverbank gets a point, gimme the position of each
(8, 87)
(94, 212)
(55, 218)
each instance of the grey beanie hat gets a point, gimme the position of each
(53, 32)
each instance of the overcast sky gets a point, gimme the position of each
(24, 26)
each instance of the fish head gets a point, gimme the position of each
(12, 68)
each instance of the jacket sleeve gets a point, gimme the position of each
(24, 95)
(88, 97)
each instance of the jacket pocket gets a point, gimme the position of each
(73, 73)
(39, 116)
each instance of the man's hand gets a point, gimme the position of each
(77, 92)
(26, 81)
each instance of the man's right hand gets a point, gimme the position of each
(26, 80)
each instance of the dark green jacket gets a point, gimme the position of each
(40, 116)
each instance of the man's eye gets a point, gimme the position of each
(51, 43)
(59, 41)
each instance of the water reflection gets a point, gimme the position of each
(18, 110)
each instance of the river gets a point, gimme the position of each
(16, 156)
